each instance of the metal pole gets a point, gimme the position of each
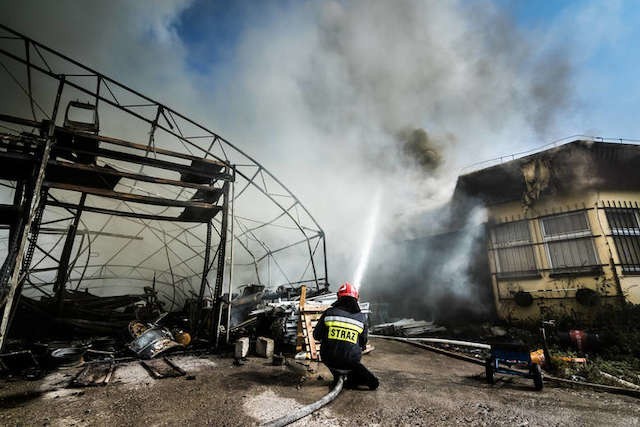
(63, 266)
(313, 262)
(17, 201)
(230, 285)
(324, 254)
(28, 256)
(203, 282)
(13, 282)
(548, 363)
(217, 308)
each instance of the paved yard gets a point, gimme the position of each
(417, 387)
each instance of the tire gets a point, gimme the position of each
(488, 370)
(536, 371)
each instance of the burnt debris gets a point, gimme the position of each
(127, 227)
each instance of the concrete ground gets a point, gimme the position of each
(417, 387)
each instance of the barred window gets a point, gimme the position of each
(569, 242)
(513, 249)
(625, 228)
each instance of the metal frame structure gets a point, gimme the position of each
(149, 202)
(625, 233)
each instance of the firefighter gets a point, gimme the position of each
(342, 331)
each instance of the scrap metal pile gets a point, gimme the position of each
(117, 209)
(288, 316)
(407, 328)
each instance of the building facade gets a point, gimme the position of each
(563, 230)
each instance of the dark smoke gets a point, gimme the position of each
(442, 277)
(421, 149)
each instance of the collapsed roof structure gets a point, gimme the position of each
(109, 193)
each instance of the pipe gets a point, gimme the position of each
(620, 381)
(233, 238)
(439, 340)
(598, 387)
(309, 409)
(437, 350)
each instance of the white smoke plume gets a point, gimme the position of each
(333, 92)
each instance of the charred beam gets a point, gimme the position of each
(129, 175)
(129, 197)
(213, 211)
(8, 299)
(115, 141)
(217, 293)
(203, 282)
(146, 161)
(63, 266)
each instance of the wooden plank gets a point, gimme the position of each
(308, 321)
(134, 176)
(315, 308)
(19, 121)
(143, 147)
(141, 160)
(303, 296)
(127, 214)
(310, 340)
(307, 346)
(129, 197)
(96, 374)
(300, 337)
(109, 140)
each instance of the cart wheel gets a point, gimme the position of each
(488, 369)
(536, 372)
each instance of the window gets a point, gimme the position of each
(625, 228)
(569, 243)
(513, 249)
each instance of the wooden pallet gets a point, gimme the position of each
(94, 374)
(300, 337)
(309, 314)
(308, 320)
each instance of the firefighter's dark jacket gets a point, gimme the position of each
(343, 335)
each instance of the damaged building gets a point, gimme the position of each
(563, 228)
(553, 233)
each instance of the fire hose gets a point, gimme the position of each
(309, 409)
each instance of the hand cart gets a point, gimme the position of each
(512, 359)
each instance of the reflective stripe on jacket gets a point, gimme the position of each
(343, 336)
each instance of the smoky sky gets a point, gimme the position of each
(337, 99)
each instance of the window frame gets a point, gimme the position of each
(496, 247)
(586, 233)
(620, 233)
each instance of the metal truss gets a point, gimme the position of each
(131, 191)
